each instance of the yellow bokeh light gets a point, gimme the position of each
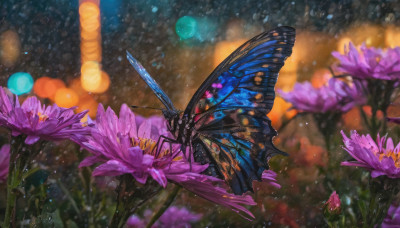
(343, 44)
(66, 98)
(224, 48)
(105, 83)
(392, 36)
(90, 76)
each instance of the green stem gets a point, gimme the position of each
(382, 192)
(14, 179)
(131, 197)
(169, 200)
(69, 197)
(15, 176)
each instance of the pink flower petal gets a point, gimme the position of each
(111, 168)
(31, 139)
(159, 176)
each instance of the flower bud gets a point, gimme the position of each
(332, 206)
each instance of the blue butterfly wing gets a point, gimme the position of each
(234, 134)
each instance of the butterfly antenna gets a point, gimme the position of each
(146, 107)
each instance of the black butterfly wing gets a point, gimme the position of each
(234, 135)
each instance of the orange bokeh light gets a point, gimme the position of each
(88, 103)
(66, 98)
(88, 9)
(280, 109)
(320, 78)
(38, 87)
(51, 86)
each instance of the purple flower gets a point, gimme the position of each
(336, 96)
(373, 156)
(124, 147)
(172, 217)
(269, 176)
(4, 162)
(392, 219)
(370, 63)
(394, 119)
(37, 121)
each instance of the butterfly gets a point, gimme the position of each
(225, 123)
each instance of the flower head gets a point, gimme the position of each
(392, 219)
(37, 121)
(336, 96)
(370, 63)
(172, 217)
(123, 146)
(333, 204)
(374, 156)
(4, 162)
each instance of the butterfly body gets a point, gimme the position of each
(225, 124)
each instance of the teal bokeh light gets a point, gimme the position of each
(186, 27)
(20, 83)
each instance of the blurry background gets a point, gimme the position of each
(73, 53)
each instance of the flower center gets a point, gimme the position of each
(147, 145)
(390, 154)
(42, 117)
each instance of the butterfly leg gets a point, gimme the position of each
(160, 143)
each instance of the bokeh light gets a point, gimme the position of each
(343, 44)
(224, 48)
(51, 87)
(87, 103)
(10, 46)
(186, 27)
(104, 84)
(38, 87)
(20, 83)
(320, 78)
(392, 36)
(66, 98)
(90, 76)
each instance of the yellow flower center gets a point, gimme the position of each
(390, 154)
(149, 147)
(42, 117)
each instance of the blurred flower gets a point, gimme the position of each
(394, 119)
(4, 162)
(337, 96)
(172, 217)
(373, 155)
(333, 204)
(392, 219)
(125, 147)
(310, 155)
(370, 63)
(38, 121)
(283, 215)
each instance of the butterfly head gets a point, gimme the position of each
(172, 116)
